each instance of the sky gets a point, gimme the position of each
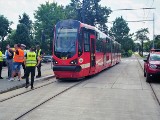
(11, 9)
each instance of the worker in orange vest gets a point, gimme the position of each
(17, 61)
(23, 65)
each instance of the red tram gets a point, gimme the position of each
(81, 50)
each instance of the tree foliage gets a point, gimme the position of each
(141, 35)
(22, 34)
(24, 19)
(90, 12)
(157, 42)
(147, 46)
(120, 31)
(47, 16)
(11, 37)
(4, 28)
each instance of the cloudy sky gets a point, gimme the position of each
(13, 8)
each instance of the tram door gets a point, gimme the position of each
(92, 55)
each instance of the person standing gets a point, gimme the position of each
(18, 59)
(39, 54)
(6, 55)
(24, 68)
(30, 62)
(9, 60)
(1, 63)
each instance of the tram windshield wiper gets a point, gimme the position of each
(68, 51)
(70, 48)
(59, 32)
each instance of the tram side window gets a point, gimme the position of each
(86, 42)
(108, 45)
(113, 48)
(98, 43)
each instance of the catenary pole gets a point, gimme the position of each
(153, 30)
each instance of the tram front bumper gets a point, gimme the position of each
(67, 68)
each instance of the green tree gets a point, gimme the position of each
(47, 16)
(4, 29)
(11, 37)
(157, 41)
(147, 46)
(23, 32)
(141, 35)
(120, 31)
(90, 12)
(137, 47)
(22, 35)
(25, 19)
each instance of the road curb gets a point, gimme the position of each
(23, 84)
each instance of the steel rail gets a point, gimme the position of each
(16, 95)
(47, 100)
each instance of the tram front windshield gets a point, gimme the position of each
(65, 41)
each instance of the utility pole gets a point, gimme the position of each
(83, 14)
(85, 4)
(153, 30)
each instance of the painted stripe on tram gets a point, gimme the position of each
(87, 65)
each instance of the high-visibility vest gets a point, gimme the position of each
(20, 57)
(39, 53)
(1, 57)
(31, 60)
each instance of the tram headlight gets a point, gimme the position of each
(54, 61)
(74, 62)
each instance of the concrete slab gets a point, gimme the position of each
(126, 86)
(91, 100)
(98, 85)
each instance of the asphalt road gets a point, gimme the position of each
(118, 93)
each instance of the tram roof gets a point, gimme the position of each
(103, 35)
(96, 29)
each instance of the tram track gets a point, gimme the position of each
(47, 100)
(152, 88)
(30, 90)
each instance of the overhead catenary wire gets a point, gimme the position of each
(145, 8)
(134, 21)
